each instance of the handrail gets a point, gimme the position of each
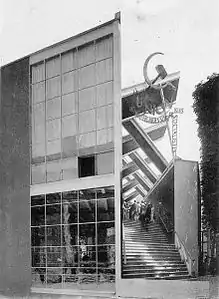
(123, 243)
(184, 253)
(162, 212)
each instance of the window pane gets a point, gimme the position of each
(105, 209)
(54, 148)
(109, 113)
(38, 134)
(105, 163)
(39, 115)
(86, 55)
(53, 198)
(101, 118)
(38, 73)
(54, 171)
(38, 92)
(87, 234)
(53, 67)
(87, 257)
(38, 150)
(87, 121)
(69, 235)
(104, 136)
(69, 125)
(37, 200)
(87, 211)
(104, 71)
(38, 216)
(54, 256)
(69, 82)
(70, 212)
(70, 196)
(38, 174)
(69, 61)
(54, 129)
(69, 168)
(38, 236)
(104, 48)
(70, 259)
(106, 233)
(38, 257)
(87, 140)
(53, 108)
(53, 234)
(87, 99)
(106, 259)
(69, 146)
(104, 94)
(87, 76)
(69, 104)
(53, 88)
(105, 192)
(53, 214)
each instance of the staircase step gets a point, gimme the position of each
(145, 258)
(161, 276)
(135, 267)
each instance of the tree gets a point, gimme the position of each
(206, 108)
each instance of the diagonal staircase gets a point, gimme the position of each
(149, 255)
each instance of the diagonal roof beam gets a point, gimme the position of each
(143, 166)
(129, 169)
(131, 196)
(154, 132)
(138, 178)
(141, 181)
(146, 144)
(129, 185)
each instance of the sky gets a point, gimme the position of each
(186, 31)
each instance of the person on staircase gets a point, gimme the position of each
(148, 215)
(133, 211)
(142, 213)
(152, 213)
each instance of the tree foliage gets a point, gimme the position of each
(206, 108)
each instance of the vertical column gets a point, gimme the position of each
(15, 260)
(117, 141)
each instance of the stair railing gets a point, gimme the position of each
(165, 218)
(184, 253)
(123, 244)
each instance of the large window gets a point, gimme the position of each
(73, 239)
(72, 109)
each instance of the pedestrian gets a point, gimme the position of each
(133, 210)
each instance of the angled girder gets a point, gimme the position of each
(140, 191)
(146, 144)
(129, 185)
(141, 181)
(154, 132)
(129, 169)
(143, 166)
(131, 196)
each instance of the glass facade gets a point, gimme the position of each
(72, 111)
(73, 238)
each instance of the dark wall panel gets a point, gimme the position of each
(15, 271)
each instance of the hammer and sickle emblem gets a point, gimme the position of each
(161, 72)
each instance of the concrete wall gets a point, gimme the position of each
(186, 206)
(15, 273)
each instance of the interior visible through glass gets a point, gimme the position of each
(73, 239)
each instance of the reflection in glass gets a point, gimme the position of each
(87, 255)
(106, 233)
(53, 198)
(106, 256)
(87, 194)
(87, 234)
(38, 257)
(105, 209)
(53, 235)
(38, 200)
(70, 212)
(69, 235)
(87, 211)
(38, 215)
(54, 275)
(69, 196)
(54, 256)
(70, 257)
(53, 214)
(38, 236)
